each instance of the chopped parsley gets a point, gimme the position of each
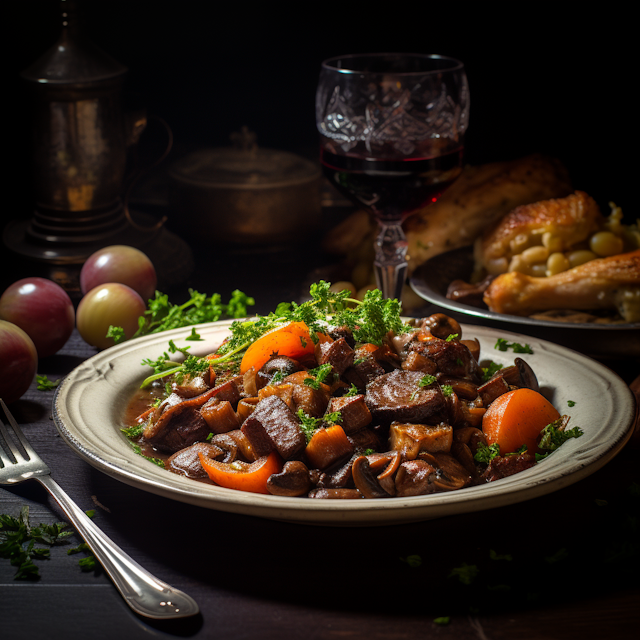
(44, 384)
(369, 320)
(556, 434)
(309, 424)
(571, 403)
(502, 345)
(161, 315)
(18, 539)
(425, 381)
(320, 374)
(485, 454)
(489, 371)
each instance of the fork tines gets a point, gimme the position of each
(9, 444)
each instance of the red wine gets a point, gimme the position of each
(391, 188)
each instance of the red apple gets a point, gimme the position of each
(18, 361)
(42, 309)
(105, 305)
(123, 264)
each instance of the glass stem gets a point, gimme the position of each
(390, 261)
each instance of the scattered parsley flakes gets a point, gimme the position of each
(18, 539)
(485, 454)
(502, 345)
(556, 434)
(571, 403)
(452, 337)
(500, 556)
(489, 371)
(194, 335)
(447, 390)
(412, 560)
(44, 384)
(466, 573)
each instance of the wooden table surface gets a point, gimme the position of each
(561, 566)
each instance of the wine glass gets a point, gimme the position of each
(392, 136)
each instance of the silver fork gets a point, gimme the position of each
(143, 592)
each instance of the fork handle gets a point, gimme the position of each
(142, 591)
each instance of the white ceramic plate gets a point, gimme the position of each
(90, 402)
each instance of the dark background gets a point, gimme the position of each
(541, 78)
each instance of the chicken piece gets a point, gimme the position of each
(476, 200)
(606, 283)
(569, 220)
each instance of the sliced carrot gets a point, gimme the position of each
(291, 339)
(327, 445)
(516, 418)
(242, 475)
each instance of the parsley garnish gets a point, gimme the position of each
(18, 539)
(425, 381)
(309, 424)
(571, 403)
(353, 391)
(370, 320)
(490, 371)
(44, 384)
(502, 345)
(161, 315)
(466, 573)
(412, 560)
(484, 454)
(554, 435)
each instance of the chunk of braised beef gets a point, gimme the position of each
(493, 389)
(503, 466)
(355, 414)
(343, 332)
(410, 439)
(177, 428)
(273, 426)
(415, 361)
(337, 353)
(187, 462)
(230, 390)
(399, 396)
(365, 368)
(365, 439)
(451, 357)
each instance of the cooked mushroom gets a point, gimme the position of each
(282, 365)
(415, 478)
(365, 480)
(442, 326)
(187, 462)
(293, 480)
(527, 375)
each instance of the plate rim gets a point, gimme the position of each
(357, 512)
